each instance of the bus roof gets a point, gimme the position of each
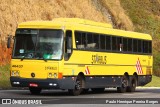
(62, 22)
(83, 22)
(83, 25)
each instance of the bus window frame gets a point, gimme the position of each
(66, 54)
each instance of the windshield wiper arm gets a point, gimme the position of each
(23, 57)
(44, 59)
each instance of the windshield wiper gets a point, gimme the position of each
(23, 57)
(45, 59)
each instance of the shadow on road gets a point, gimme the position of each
(64, 93)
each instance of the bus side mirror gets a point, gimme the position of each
(9, 41)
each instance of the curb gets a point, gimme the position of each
(147, 87)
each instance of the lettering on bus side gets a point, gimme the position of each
(97, 59)
(17, 66)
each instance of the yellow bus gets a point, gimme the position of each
(77, 55)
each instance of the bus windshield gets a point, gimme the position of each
(38, 44)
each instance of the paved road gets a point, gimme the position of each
(59, 98)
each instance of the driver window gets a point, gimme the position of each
(68, 44)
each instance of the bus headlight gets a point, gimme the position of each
(12, 73)
(55, 75)
(52, 75)
(15, 73)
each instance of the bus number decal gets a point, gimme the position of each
(50, 68)
(17, 66)
(97, 59)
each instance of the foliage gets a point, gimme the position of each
(4, 77)
(154, 83)
(146, 19)
(157, 64)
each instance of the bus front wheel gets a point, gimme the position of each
(35, 90)
(78, 87)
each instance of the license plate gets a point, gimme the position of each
(33, 85)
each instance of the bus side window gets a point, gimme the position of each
(68, 44)
(125, 44)
(96, 40)
(150, 47)
(139, 46)
(119, 44)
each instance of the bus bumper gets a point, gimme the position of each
(67, 83)
(143, 80)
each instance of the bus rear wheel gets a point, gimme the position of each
(35, 90)
(133, 85)
(124, 85)
(78, 87)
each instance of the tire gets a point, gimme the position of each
(124, 85)
(78, 87)
(98, 90)
(133, 85)
(34, 90)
